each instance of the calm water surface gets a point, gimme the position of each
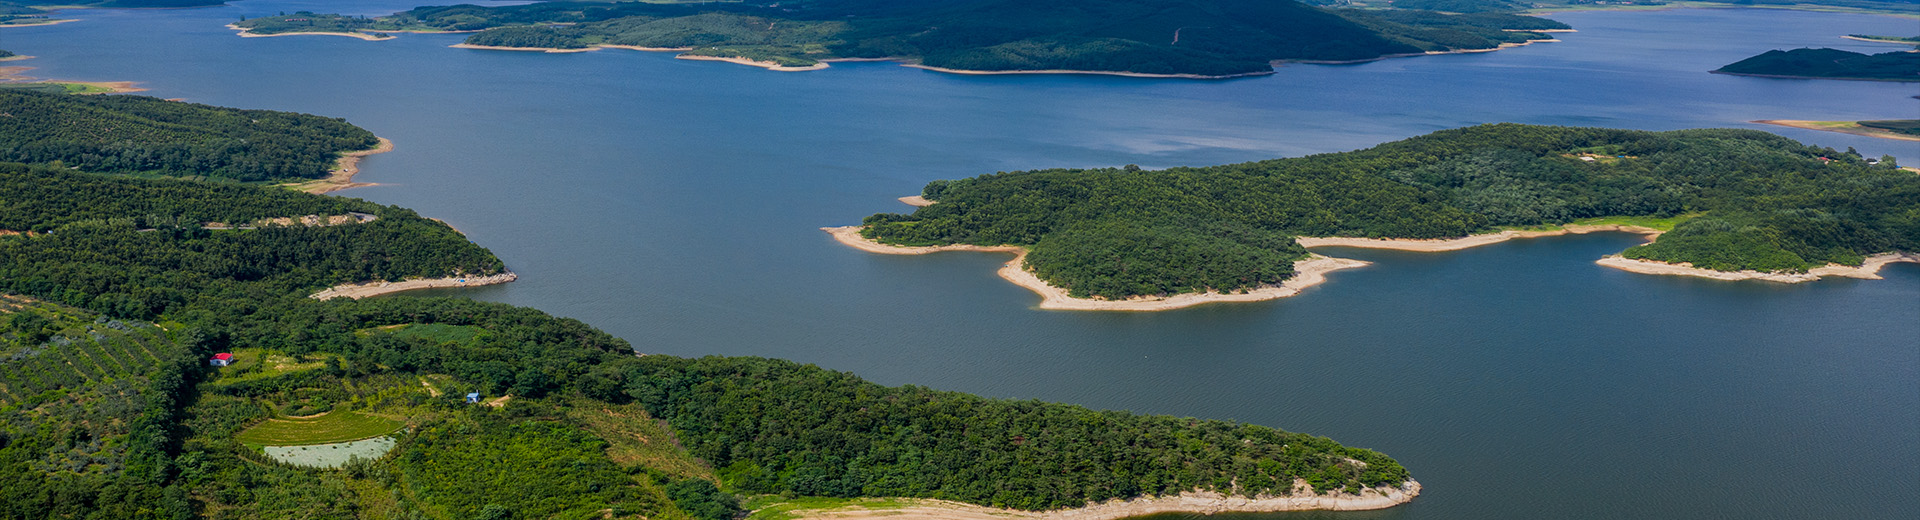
(674, 203)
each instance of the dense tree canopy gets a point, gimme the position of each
(151, 136)
(1772, 204)
(1830, 63)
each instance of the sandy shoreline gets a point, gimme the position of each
(1455, 244)
(917, 201)
(247, 33)
(1307, 273)
(1782, 76)
(368, 289)
(1200, 502)
(41, 24)
(1503, 46)
(1091, 72)
(1868, 270)
(769, 65)
(341, 177)
(1850, 127)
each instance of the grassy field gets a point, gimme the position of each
(1662, 224)
(253, 364)
(69, 88)
(635, 438)
(326, 429)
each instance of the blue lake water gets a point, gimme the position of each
(675, 204)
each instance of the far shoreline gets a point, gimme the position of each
(1784, 76)
(1844, 127)
(914, 62)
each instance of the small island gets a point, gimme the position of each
(1719, 203)
(1829, 64)
(1148, 38)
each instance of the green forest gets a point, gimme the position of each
(146, 136)
(1829, 64)
(113, 292)
(1200, 37)
(1760, 201)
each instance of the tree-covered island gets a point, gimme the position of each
(1725, 200)
(118, 290)
(1829, 64)
(1209, 38)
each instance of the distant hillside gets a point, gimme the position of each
(1829, 64)
(1198, 37)
(149, 136)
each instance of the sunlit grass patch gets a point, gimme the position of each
(328, 428)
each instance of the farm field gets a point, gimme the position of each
(328, 428)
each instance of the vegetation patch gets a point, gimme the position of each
(331, 427)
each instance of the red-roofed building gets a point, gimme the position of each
(220, 360)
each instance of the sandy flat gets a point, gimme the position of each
(1848, 127)
(40, 24)
(917, 201)
(549, 50)
(341, 177)
(1456, 244)
(1093, 72)
(1868, 270)
(1307, 273)
(1190, 502)
(245, 33)
(769, 65)
(367, 289)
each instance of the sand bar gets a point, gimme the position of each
(1868, 270)
(1456, 244)
(40, 23)
(769, 65)
(1201, 502)
(1307, 273)
(1502, 46)
(1093, 72)
(367, 289)
(341, 177)
(247, 33)
(1844, 127)
(548, 50)
(917, 201)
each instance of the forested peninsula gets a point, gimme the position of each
(144, 136)
(1829, 64)
(1197, 38)
(117, 290)
(1719, 200)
